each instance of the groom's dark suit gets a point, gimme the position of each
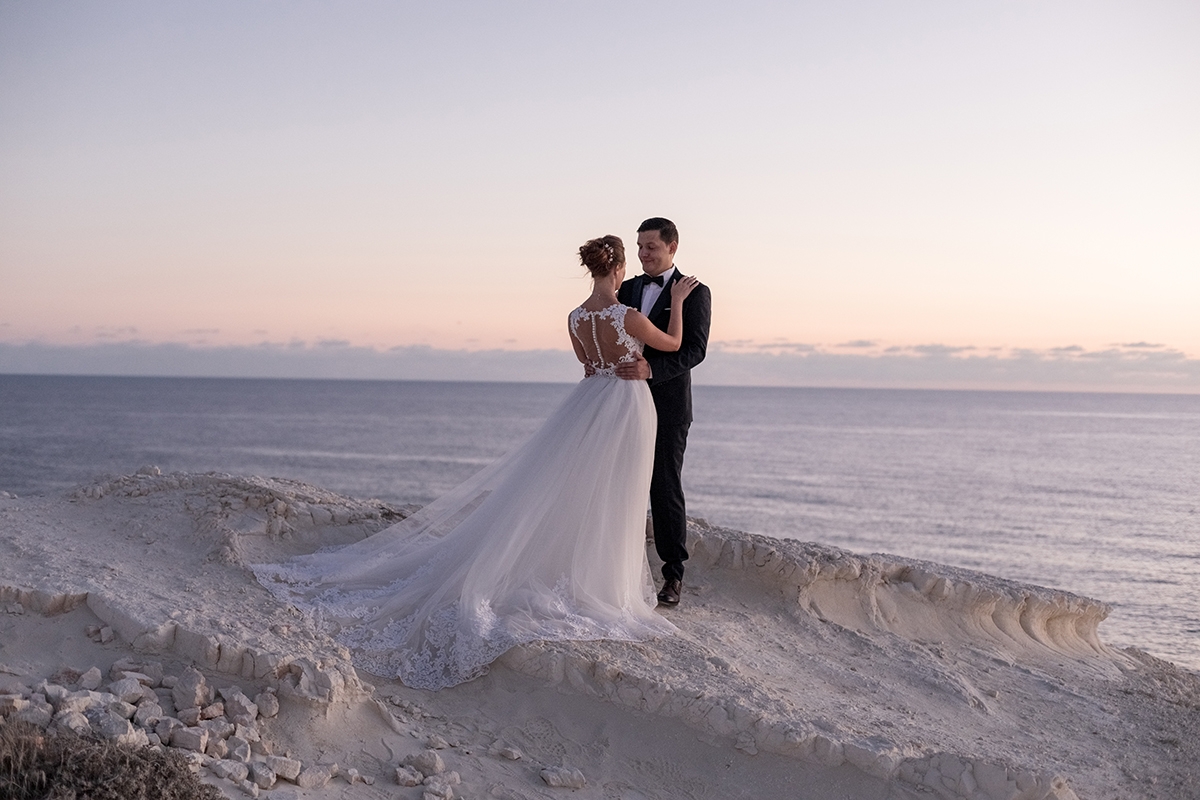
(671, 386)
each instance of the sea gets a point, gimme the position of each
(1096, 494)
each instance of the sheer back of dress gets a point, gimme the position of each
(605, 341)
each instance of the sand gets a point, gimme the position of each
(800, 670)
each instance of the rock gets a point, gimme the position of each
(149, 470)
(445, 779)
(268, 704)
(212, 711)
(164, 727)
(511, 753)
(170, 681)
(287, 768)
(194, 739)
(108, 725)
(240, 709)
(106, 635)
(262, 775)
(247, 732)
(12, 703)
(437, 743)
(249, 787)
(38, 712)
(191, 690)
(220, 727)
(190, 716)
(53, 692)
(563, 778)
(234, 771)
(314, 777)
(73, 721)
(353, 776)
(429, 762)
(409, 776)
(239, 748)
(217, 748)
(148, 715)
(91, 679)
(122, 709)
(439, 792)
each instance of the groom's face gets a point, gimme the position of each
(656, 255)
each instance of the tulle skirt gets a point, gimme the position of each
(547, 543)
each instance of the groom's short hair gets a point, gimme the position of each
(666, 229)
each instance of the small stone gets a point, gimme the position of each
(262, 747)
(234, 771)
(268, 704)
(190, 716)
(73, 721)
(563, 778)
(122, 709)
(148, 715)
(408, 776)
(164, 727)
(16, 609)
(219, 727)
(109, 725)
(444, 779)
(53, 692)
(314, 777)
(239, 748)
(511, 753)
(170, 681)
(92, 632)
(191, 690)
(262, 775)
(91, 679)
(239, 708)
(194, 739)
(438, 792)
(353, 776)
(249, 787)
(437, 743)
(212, 711)
(247, 732)
(12, 703)
(106, 635)
(286, 768)
(217, 748)
(429, 762)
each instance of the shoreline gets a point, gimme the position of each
(798, 666)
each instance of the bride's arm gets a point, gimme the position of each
(641, 327)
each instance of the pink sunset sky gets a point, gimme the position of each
(990, 195)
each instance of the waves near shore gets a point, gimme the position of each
(924, 678)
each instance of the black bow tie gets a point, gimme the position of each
(652, 279)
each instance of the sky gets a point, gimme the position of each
(935, 194)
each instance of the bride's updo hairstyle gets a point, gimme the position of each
(602, 256)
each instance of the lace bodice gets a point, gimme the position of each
(605, 341)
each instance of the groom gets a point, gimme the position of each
(670, 379)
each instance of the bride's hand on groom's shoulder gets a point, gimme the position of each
(681, 288)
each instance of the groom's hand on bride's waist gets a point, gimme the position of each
(637, 370)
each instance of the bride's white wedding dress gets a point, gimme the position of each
(546, 543)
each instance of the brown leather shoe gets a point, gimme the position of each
(669, 596)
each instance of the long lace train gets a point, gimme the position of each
(546, 543)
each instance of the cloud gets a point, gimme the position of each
(857, 343)
(932, 366)
(1140, 345)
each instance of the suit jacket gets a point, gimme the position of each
(671, 381)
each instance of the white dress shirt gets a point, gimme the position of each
(651, 291)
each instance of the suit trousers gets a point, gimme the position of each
(667, 508)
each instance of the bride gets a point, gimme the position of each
(546, 543)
